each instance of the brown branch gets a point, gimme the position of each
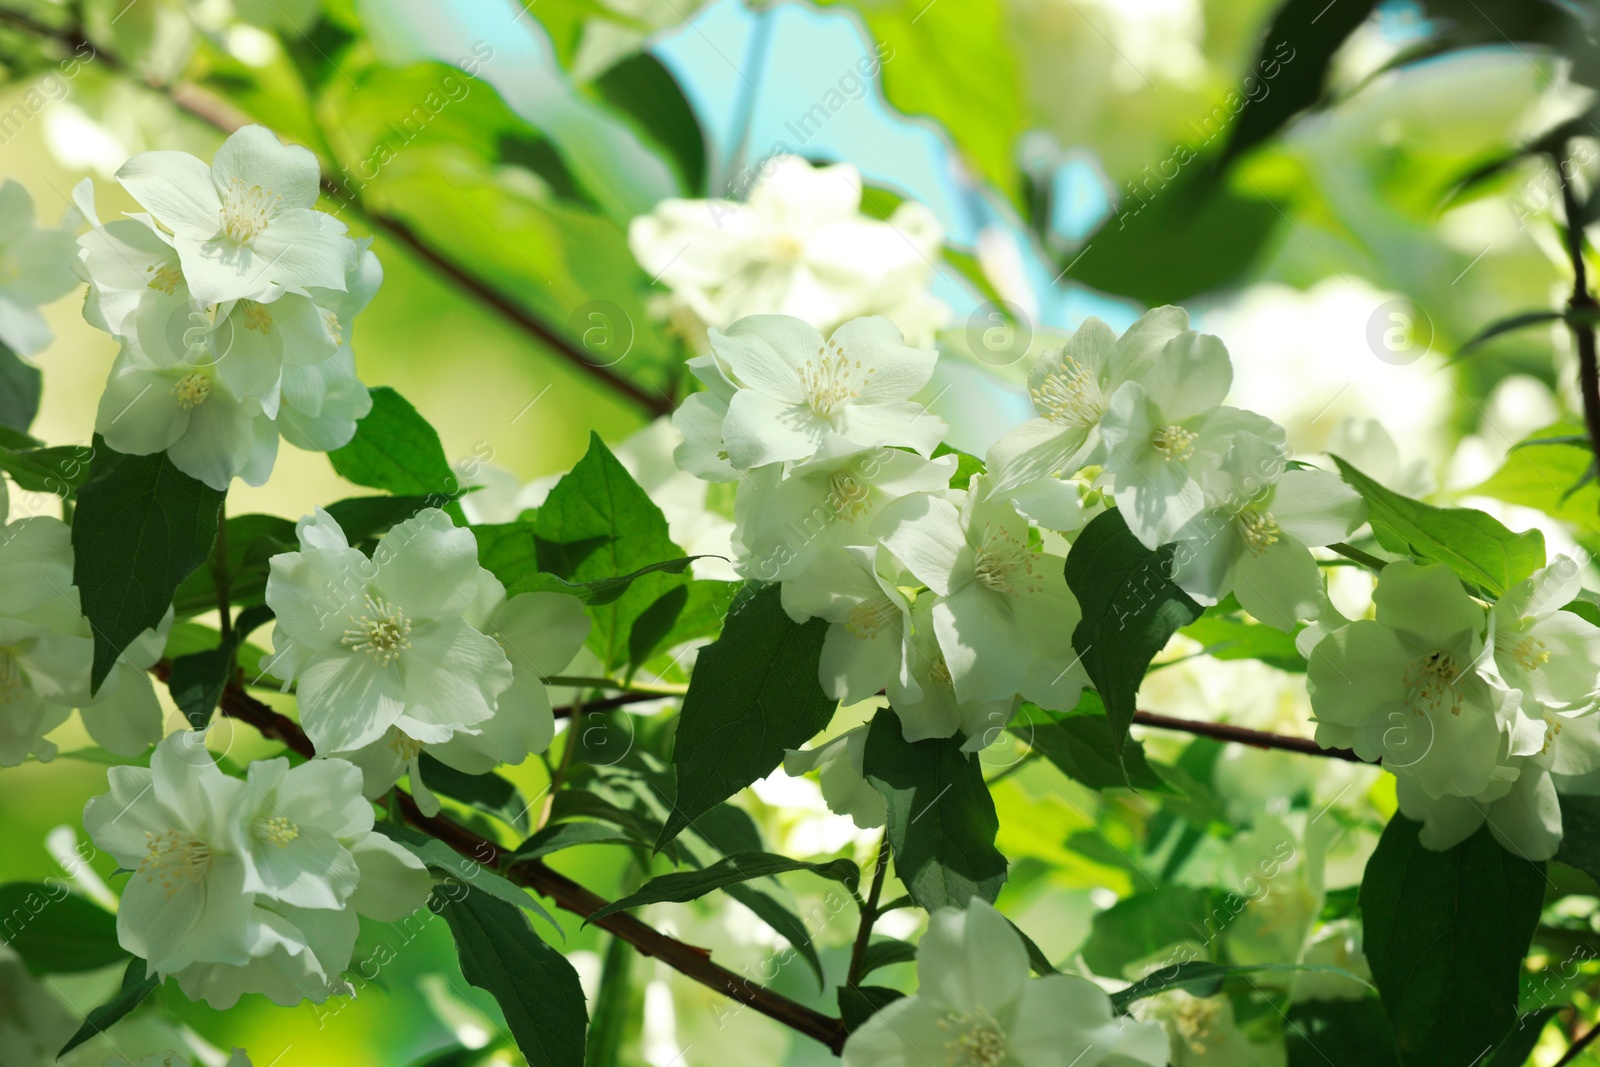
(1221, 731)
(224, 116)
(1583, 306)
(689, 960)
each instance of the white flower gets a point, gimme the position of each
(382, 644)
(1405, 687)
(1204, 1033)
(1070, 388)
(785, 520)
(795, 388)
(799, 247)
(244, 227)
(867, 644)
(997, 592)
(35, 268)
(1166, 438)
(838, 764)
(1552, 655)
(173, 825)
(46, 651)
(975, 1006)
(702, 452)
(539, 633)
(1257, 544)
(925, 700)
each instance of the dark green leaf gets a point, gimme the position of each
(55, 932)
(1201, 978)
(1516, 1048)
(754, 693)
(569, 835)
(1339, 1033)
(197, 680)
(251, 541)
(1293, 63)
(859, 1003)
(20, 388)
(1445, 934)
(396, 450)
(942, 822)
(1130, 609)
(136, 985)
(641, 88)
(489, 793)
(1580, 833)
(535, 986)
(1138, 926)
(142, 527)
(886, 952)
(1083, 746)
(683, 886)
(1471, 543)
(58, 471)
(598, 526)
(365, 517)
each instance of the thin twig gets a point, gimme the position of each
(1576, 1048)
(869, 915)
(1222, 731)
(1583, 304)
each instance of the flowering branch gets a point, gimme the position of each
(688, 960)
(222, 116)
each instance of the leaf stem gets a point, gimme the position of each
(1366, 559)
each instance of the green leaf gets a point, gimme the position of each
(598, 525)
(1471, 543)
(1313, 30)
(1138, 926)
(570, 835)
(142, 527)
(859, 1003)
(1229, 636)
(59, 470)
(365, 517)
(196, 682)
(681, 886)
(942, 822)
(1339, 1033)
(535, 986)
(786, 923)
(1445, 934)
(251, 542)
(1545, 477)
(1517, 322)
(1201, 978)
(966, 465)
(507, 550)
(1130, 609)
(396, 450)
(489, 793)
(1083, 746)
(21, 385)
(646, 92)
(55, 932)
(1580, 837)
(886, 952)
(136, 985)
(1516, 1048)
(601, 591)
(754, 693)
(441, 857)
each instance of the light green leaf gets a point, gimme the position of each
(136, 985)
(1083, 746)
(396, 450)
(739, 867)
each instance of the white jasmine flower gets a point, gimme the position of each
(1070, 388)
(1166, 437)
(244, 227)
(35, 268)
(383, 644)
(799, 246)
(191, 412)
(703, 453)
(173, 825)
(839, 764)
(925, 699)
(1203, 1032)
(867, 644)
(785, 520)
(795, 388)
(1257, 544)
(1404, 686)
(975, 1006)
(1552, 655)
(996, 590)
(539, 633)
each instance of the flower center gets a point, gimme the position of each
(165, 278)
(787, 248)
(1003, 560)
(1070, 396)
(976, 1039)
(192, 390)
(1258, 528)
(1430, 684)
(174, 858)
(11, 680)
(383, 631)
(831, 380)
(1553, 726)
(868, 617)
(274, 830)
(335, 328)
(257, 317)
(1529, 652)
(939, 673)
(848, 496)
(246, 211)
(1194, 1021)
(404, 745)
(1173, 442)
